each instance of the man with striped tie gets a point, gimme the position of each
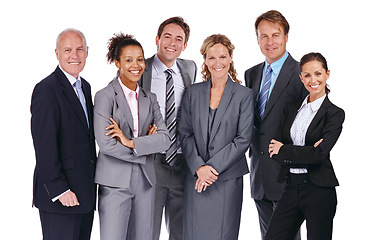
(275, 82)
(168, 76)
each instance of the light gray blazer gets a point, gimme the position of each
(115, 161)
(230, 136)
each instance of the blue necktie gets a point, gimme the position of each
(263, 96)
(81, 97)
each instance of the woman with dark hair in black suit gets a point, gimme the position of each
(302, 146)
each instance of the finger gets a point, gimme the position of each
(214, 171)
(109, 127)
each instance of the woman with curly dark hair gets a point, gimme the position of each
(128, 129)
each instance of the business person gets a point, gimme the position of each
(215, 130)
(62, 131)
(128, 129)
(171, 40)
(308, 131)
(275, 82)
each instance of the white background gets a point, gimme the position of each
(343, 31)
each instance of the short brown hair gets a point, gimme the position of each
(176, 20)
(274, 17)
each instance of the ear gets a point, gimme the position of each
(57, 53)
(157, 40)
(328, 74)
(184, 47)
(300, 76)
(287, 37)
(118, 65)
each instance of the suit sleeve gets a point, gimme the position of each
(310, 155)
(102, 112)
(45, 128)
(232, 152)
(188, 142)
(157, 142)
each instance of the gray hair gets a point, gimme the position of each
(70, 30)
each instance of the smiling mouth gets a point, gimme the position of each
(170, 49)
(314, 86)
(74, 63)
(218, 69)
(135, 72)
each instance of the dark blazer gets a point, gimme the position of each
(64, 145)
(230, 136)
(326, 125)
(287, 88)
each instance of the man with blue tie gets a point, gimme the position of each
(63, 137)
(275, 82)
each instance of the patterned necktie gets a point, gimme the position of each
(263, 96)
(81, 97)
(170, 118)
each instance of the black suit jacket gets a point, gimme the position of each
(326, 125)
(64, 145)
(287, 88)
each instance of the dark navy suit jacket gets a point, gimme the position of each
(64, 145)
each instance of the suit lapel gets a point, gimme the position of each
(145, 81)
(72, 98)
(122, 104)
(319, 115)
(143, 109)
(283, 80)
(185, 75)
(204, 100)
(225, 100)
(256, 82)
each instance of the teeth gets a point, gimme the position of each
(134, 72)
(218, 69)
(170, 49)
(74, 63)
(314, 86)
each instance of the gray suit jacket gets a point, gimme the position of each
(230, 135)
(187, 68)
(115, 161)
(288, 88)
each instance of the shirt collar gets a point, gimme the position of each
(127, 90)
(315, 105)
(70, 78)
(159, 66)
(277, 65)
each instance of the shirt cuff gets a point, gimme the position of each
(57, 197)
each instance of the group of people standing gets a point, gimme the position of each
(168, 145)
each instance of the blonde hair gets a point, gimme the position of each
(210, 42)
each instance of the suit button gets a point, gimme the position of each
(92, 161)
(262, 153)
(211, 148)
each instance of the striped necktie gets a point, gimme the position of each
(170, 118)
(263, 96)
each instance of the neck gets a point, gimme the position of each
(219, 82)
(167, 63)
(130, 85)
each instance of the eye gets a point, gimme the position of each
(141, 59)
(318, 74)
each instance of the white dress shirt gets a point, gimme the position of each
(132, 100)
(158, 86)
(306, 114)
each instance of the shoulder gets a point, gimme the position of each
(186, 63)
(107, 91)
(254, 68)
(333, 110)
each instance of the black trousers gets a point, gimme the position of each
(57, 226)
(302, 200)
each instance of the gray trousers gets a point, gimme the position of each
(127, 213)
(169, 196)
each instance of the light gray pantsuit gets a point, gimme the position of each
(127, 176)
(123, 210)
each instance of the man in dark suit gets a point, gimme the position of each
(275, 82)
(63, 137)
(171, 40)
